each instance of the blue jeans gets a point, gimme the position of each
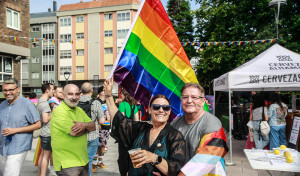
(277, 136)
(260, 140)
(92, 150)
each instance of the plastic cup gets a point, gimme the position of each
(131, 152)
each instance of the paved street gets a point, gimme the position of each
(242, 166)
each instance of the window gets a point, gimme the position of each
(108, 50)
(48, 50)
(80, 69)
(80, 52)
(123, 16)
(65, 21)
(122, 33)
(5, 68)
(35, 44)
(108, 16)
(48, 68)
(48, 36)
(79, 19)
(65, 38)
(119, 48)
(108, 33)
(35, 75)
(35, 60)
(65, 54)
(108, 67)
(35, 29)
(7, 65)
(79, 36)
(13, 19)
(47, 28)
(64, 69)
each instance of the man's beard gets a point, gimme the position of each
(69, 102)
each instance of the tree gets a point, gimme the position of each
(240, 20)
(182, 19)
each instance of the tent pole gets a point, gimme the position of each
(231, 163)
(214, 103)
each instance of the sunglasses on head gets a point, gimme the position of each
(156, 107)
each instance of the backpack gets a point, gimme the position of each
(86, 106)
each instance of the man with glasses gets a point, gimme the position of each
(69, 126)
(196, 122)
(18, 118)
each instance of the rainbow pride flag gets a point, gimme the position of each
(152, 60)
(209, 158)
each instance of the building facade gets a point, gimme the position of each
(90, 36)
(42, 65)
(14, 37)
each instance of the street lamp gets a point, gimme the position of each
(67, 76)
(19, 58)
(277, 3)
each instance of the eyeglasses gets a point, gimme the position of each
(156, 107)
(9, 90)
(185, 97)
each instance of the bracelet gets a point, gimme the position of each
(155, 161)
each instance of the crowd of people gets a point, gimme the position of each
(75, 129)
(275, 113)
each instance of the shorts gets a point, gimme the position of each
(103, 137)
(46, 143)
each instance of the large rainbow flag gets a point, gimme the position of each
(152, 59)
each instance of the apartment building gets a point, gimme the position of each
(42, 65)
(14, 34)
(90, 36)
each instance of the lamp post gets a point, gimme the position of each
(67, 76)
(19, 58)
(277, 3)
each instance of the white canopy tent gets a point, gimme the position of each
(276, 69)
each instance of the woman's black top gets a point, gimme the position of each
(169, 144)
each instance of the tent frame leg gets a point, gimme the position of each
(231, 163)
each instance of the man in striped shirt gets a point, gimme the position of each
(97, 117)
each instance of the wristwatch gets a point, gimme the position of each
(158, 160)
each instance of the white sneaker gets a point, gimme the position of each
(51, 171)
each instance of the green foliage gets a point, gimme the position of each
(182, 19)
(241, 20)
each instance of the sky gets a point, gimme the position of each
(43, 5)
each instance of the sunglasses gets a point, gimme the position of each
(156, 107)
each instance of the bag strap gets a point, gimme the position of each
(132, 107)
(263, 118)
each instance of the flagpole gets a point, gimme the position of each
(126, 39)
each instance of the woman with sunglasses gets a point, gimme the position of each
(162, 146)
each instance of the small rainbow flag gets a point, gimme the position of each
(200, 44)
(15, 38)
(271, 41)
(34, 39)
(152, 61)
(209, 158)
